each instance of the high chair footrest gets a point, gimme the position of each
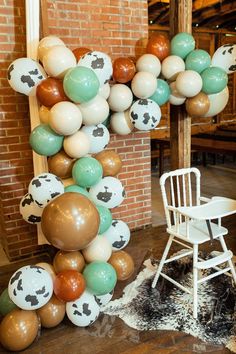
(212, 262)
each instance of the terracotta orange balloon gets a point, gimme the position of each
(69, 285)
(123, 70)
(61, 165)
(79, 52)
(123, 264)
(68, 261)
(198, 105)
(110, 161)
(19, 329)
(52, 313)
(70, 221)
(159, 45)
(50, 91)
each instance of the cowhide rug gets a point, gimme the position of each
(169, 308)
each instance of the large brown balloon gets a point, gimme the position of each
(123, 70)
(50, 91)
(123, 264)
(70, 221)
(68, 261)
(198, 105)
(52, 313)
(110, 161)
(159, 45)
(19, 329)
(79, 52)
(61, 165)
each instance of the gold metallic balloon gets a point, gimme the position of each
(198, 105)
(123, 264)
(110, 161)
(68, 261)
(52, 313)
(61, 165)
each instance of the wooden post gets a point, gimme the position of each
(180, 122)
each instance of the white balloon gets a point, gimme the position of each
(98, 136)
(44, 188)
(145, 114)
(29, 210)
(102, 300)
(46, 43)
(65, 118)
(30, 287)
(24, 74)
(143, 84)
(104, 91)
(188, 83)
(171, 66)
(99, 249)
(100, 63)
(83, 311)
(120, 98)
(225, 58)
(44, 114)
(149, 63)
(58, 60)
(76, 145)
(218, 101)
(94, 111)
(120, 123)
(108, 192)
(118, 235)
(175, 97)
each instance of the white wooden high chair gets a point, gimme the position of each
(190, 221)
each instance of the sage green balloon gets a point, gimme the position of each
(198, 60)
(105, 218)
(81, 84)
(45, 141)
(214, 80)
(6, 304)
(87, 171)
(100, 277)
(182, 44)
(162, 93)
(77, 189)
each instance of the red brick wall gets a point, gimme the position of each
(117, 27)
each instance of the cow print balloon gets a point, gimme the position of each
(29, 210)
(104, 299)
(83, 311)
(145, 114)
(30, 287)
(100, 63)
(225, 58)
(118, 234)
(109, 192)
(24, 74)
(99, 137)
(44, 188)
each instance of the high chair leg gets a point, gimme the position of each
(231, 265)
(195, 280)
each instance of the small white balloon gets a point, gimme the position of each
(65, 118)
(58, 60)
(29, 210)
(104, 91)
(145, 114)
(94, 111)
(99, 249)
(143, 84)
(30, 287)
(118, 235)
(98, 136)
(225, 58)
(175, 97)
(83, 311)
(149, 63)
(120, 123)
(76, 145)
(46, 43)
(188, 83)
(218, 101)
(171, 66)
(120, 98)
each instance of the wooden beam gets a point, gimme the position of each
(180, 122)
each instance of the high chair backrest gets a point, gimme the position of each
(180, 188)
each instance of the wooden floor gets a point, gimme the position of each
(110, 335)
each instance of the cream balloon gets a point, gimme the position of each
(188, 83)
(46, 43)
(143, 84)
(58, 60)
(104, 91)
(149, 63)
(100, 249)
(120, 123)
(120, 98)
(172, 66)
(175, 97)
(65, 118)
(94, 111)
(44, 114)
(218, 101)
(76, 145)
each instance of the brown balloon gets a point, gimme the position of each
(123, 70)
(123, 264)
(79, 52)
(110, 161)
(18, 329)
(68, 261)
(198, 105)
(50, 91)
(159, 45)
(52, 313)
(70, 221)
(61, 165)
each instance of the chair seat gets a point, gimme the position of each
(198, 231)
